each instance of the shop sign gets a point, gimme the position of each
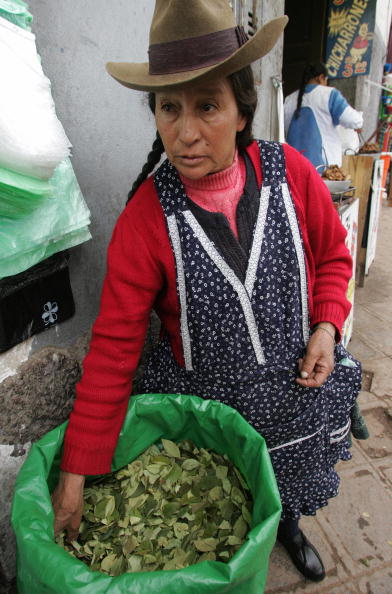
(350, 30)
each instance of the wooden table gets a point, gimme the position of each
(360, 168)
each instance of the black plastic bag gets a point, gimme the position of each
(35, 300)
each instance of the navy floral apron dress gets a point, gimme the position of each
(242, 340)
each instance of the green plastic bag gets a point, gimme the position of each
(16, 11)
(21, 194)
(44, 567)
(58, 223)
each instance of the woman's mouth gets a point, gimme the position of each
(191, 159)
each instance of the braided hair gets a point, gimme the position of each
(311, 71)
(153, 157)
(243, 86)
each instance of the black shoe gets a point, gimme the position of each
(304, 556)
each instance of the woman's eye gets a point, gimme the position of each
(168, 107)
(208, 107)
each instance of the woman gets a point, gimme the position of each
(237, 247)
(312, 115)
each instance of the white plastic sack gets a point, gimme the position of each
(32, 140)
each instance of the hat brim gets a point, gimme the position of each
(136, 75)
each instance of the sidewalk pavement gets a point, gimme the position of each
(354, 532)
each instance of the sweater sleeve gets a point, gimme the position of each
(132, 282)
(329, 263)
(332, 260)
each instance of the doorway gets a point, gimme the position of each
(304, 39)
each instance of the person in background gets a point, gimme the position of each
(312, 115)
(236, 245)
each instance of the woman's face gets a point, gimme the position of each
(198, 127)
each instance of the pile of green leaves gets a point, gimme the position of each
(175, 505)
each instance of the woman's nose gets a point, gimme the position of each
(189, 129)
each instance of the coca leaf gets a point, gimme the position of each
(190, 464)
(221, 471)
(237, 496)
(226, 509)
(181, 529)
(124, 523)
(135, 519)
(208, 482)
(215, 494)
(171, 448)
(206, 544)
(173, 475)
(246, 514)
(227, 485)
(240, 528)
(240, 478)
(100, 509)
(160, 459)
(134, 563)
(168, 509)
(108, 533)
(108, 562)
(134, 490)
(175, 505)
(234, 540)
(129, 545)
(207, 557)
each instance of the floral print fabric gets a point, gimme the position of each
(242, 341)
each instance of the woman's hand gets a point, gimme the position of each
(318, 362)
(67, 501)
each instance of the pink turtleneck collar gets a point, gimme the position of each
(219, 192)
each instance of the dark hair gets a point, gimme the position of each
(244, 90)
(311, 71)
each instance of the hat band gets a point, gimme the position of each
(195, 52)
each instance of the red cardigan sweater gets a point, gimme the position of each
(141, 275)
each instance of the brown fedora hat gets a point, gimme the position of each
(190, 39)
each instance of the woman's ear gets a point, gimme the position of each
(241, 122)
(323, 80)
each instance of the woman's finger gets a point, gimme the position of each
(315, 381)
(73, 529)
(308, 366)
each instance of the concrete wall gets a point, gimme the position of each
(270, 66)
(111, 132)
(108, 125)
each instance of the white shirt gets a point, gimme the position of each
(314, 133)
